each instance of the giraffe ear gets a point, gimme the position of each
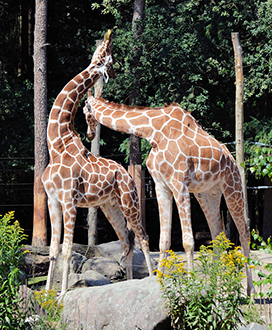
(107, 35)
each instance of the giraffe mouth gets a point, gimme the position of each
(88, 108)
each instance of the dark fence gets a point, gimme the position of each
(16, 194)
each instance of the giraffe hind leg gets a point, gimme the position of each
(134, 221)
(129, 206)
(55, 212)
(144, 244)
(135, 224)
(116, 219)
(126, 258)
(233, 194)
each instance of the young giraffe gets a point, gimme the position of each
(76, 178)
(183, 159)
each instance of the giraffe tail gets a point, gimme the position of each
(131, 239)
(127, 259)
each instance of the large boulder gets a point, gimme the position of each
(128, 305)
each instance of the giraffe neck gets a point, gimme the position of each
(143, 122)
(61, 130)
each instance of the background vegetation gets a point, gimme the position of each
(187, 57)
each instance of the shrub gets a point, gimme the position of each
(11, 236)
(208, 297)
(265, 277)
(48, 301)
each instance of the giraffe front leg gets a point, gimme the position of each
(55, 213)
(165, 203)
(182, 199)
(69, 219)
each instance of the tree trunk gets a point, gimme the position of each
(135, 156)
(239, 114)
(137, 28)
(40, 119)
(95, 149)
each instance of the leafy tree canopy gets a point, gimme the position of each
(186, 57)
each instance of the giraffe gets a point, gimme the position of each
(184, 159)
(76, 178)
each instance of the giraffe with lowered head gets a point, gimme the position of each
(76, 178)
(184, 159)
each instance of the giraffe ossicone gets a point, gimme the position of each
(76, 178)
(184, 159)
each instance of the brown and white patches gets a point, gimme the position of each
(76, 178)
(184, 158)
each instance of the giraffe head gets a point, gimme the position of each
(102, 58)
(91, 122)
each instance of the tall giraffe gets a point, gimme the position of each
(76, 178)
(184, 159)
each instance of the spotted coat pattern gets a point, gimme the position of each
(184, 159)
(76, 178)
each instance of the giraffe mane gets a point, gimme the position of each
(134, 107)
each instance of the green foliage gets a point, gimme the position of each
(11, 236)
(257, 59)
(208, 297)
(261, 164)
(264, 278)
(186, 57)
(16, 114)
(145, 148)
(260, 149)
(48, 301)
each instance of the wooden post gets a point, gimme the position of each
(239, 114)
(95, 149)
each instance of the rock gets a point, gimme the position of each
(111, 250)
(76, 265)
(127, 305)
(38, 250)
(114, 251)
(85, 250)
(139, 265)
(36, 260)
(89, 278)
(105, 266)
